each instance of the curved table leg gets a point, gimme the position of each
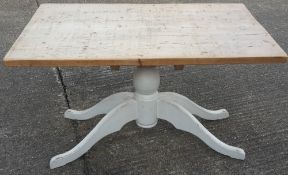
(193, 108)
(103, 107)
(112, 122)
(183, 120)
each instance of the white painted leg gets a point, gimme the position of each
(193, 108)
(112, 122)
(103, 107)
(183, 120)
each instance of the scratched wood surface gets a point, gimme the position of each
(143, 34)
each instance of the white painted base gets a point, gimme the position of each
(146, 106)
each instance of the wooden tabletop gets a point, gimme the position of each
(143, 35)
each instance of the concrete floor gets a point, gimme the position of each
(33, 100)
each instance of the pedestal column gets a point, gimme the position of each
(146, 83)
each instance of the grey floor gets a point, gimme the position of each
(32, 102)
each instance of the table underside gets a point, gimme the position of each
(143, 35)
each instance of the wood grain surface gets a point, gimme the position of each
(143, 35)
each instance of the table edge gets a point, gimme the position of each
(10, 62)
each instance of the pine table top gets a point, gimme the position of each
(143, 35)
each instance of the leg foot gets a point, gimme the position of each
(103, 107)
(183, 120)
(193, 108)
(112, 122)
